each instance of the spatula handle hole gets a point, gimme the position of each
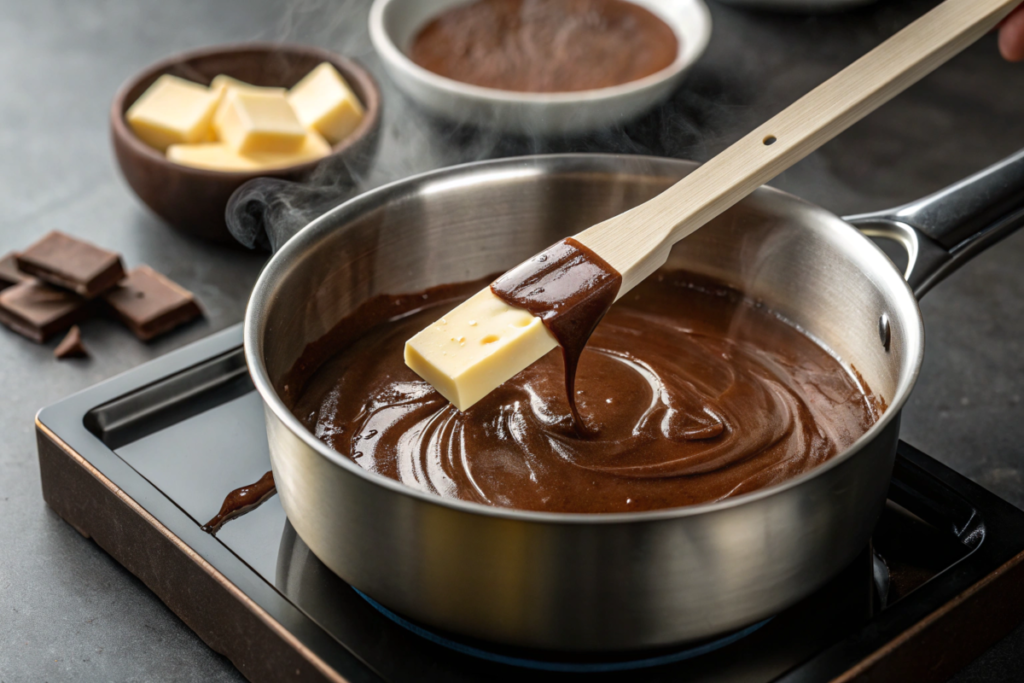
(770, 140)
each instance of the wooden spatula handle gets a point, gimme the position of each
(637, 242)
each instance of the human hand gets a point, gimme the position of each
(1011, 36)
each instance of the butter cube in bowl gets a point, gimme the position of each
(190, 130)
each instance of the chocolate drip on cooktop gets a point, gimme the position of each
(241, 501)
(570, 288)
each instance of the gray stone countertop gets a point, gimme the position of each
(68, 612)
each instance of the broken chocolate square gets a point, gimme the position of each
(150, 304)
(39, 311)
(68, 262)
(71, 346)
(9, 273)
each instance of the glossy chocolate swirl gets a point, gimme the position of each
(693, 394)
(570, 288)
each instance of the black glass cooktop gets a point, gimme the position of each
(178, 434)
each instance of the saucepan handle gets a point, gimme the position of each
(944, 230)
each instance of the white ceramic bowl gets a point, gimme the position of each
(811, 6)
(394, 24)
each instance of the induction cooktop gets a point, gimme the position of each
(142, 462)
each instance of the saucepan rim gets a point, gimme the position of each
(308, 236)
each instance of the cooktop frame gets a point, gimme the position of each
(928, 636)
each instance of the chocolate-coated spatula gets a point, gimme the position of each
(485, 341)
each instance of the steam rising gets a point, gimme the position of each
(265, 212)
(695, 123)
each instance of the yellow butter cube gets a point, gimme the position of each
(313, 147)
(477, 346)
(172, 111)
(220, 85)
(215, 156)
(219, 156)
(253, 121)
(324, 102)
(223, 82)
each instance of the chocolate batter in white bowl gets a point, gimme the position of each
(394, 24)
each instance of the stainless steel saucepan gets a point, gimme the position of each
(607, 581)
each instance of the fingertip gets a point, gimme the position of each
(1011, 37)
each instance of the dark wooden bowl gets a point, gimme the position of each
(193, 199)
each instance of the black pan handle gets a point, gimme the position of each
(943, 231)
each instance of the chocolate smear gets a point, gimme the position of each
(241, 501)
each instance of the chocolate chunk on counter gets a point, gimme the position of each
(150, 304)
(71, 263)
(71, 346)
(39, 311)
(9, 272)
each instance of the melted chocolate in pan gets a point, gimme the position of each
(570, 288)
(691, 393)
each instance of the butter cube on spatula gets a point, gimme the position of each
(505, 328)
(478, 346)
